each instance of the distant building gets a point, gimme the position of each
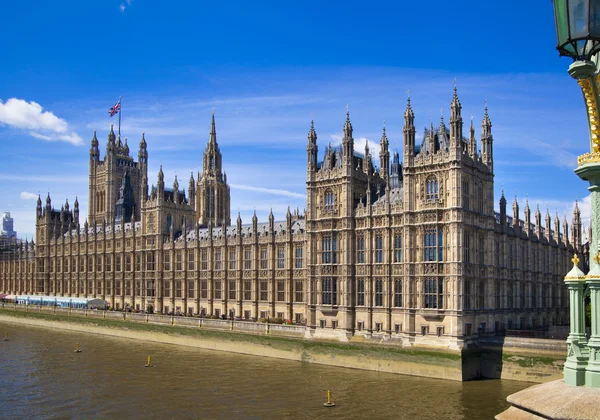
(412, 251)
(7, 226)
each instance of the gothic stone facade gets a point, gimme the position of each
(411, 251)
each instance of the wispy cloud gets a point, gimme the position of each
(30, 116)
(28, 196)
(125, 5)
(267, 190)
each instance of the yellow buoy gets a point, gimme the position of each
(77, 349)
(329, 403)
(148, 364)
(5, 336)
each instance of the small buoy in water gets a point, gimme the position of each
(77, 350)
(329, 403)
(148, 364)
(5, 336)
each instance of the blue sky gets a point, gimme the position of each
(268, 68)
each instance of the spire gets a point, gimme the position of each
(348, 126)
(94, 151)
(312, 135)
(111, 137)
(48, 202)
(502, 209)
(192, 191)
(348, 141)
(239, 222)
(212, 138)
(384, 156)
(409, 131)
(311, 148)
(516, 222)
(126, 148)
(472, 141)
(143, 144)
(176, 191)
(38, 207)
(487, 140)
(455, 120)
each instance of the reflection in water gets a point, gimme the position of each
(41, 376)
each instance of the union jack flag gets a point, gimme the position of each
(115, 109)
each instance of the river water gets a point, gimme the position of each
(42, 377)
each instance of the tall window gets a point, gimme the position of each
(481, 250)
(378, 292)
(432, 293)
(329, 291)
(247, 290)
(108, 263)
(329, 200)
(466, 248)
(232, 289)
(217, 289)
(263, 290)
(280, 257)
(360, 249)
(397, 248)
(232, 259)
(191, 265)
(191, 289)
(432, 188)
(378, 249)
(167, 261)
(178, 289)
(299, 257)
(360, 293)
(167, 289)
(467, 295)
(329, 249)
(433, 244)
(169, 223)
(117, 263)
(247, 259)
(509, 295)
(204, 289)
(280, 290)
(299, 291)
(398, 293)
(480, 198)
(127, 262)
(204, 256)
(179, 260)
(150, 288)
(465, 195)
(263, 259)
(218, 260)
(481, 295)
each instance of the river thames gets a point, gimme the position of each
(42, 377)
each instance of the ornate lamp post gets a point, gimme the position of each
(578, 33)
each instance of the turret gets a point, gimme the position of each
(527, 218)
(111, 146)
(160, 184)
(254, 224)
(271, 222)
(348, 142)
(239, 223)
(38, 207)
(557, 228)
(502, 210)
(192, 191)
(538, 222)
(515, 213)
(288, 220)
(576, 227)
(48, 205)
(456, 123)
(311, 148)
(472, 141)
(566, 231)
(76, 210)
(94, 150)
(409, 131)
(176, 191)
(367, 164)
(548, 226)
(384, 157)
(143, 162)
(486, 141)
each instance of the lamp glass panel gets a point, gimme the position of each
(562, 24)
(578, 18)
(595, 18)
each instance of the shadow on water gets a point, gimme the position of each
(42, 377)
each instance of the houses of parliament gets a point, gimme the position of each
(412, 251)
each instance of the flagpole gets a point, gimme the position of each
(120, 106)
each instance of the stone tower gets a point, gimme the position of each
(106, 177)
(212, 192)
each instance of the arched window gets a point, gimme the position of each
(432, 188)
(329, 200)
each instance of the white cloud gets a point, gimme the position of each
(267, 190)
(123, 6)
(28, 196)
(41, 124)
